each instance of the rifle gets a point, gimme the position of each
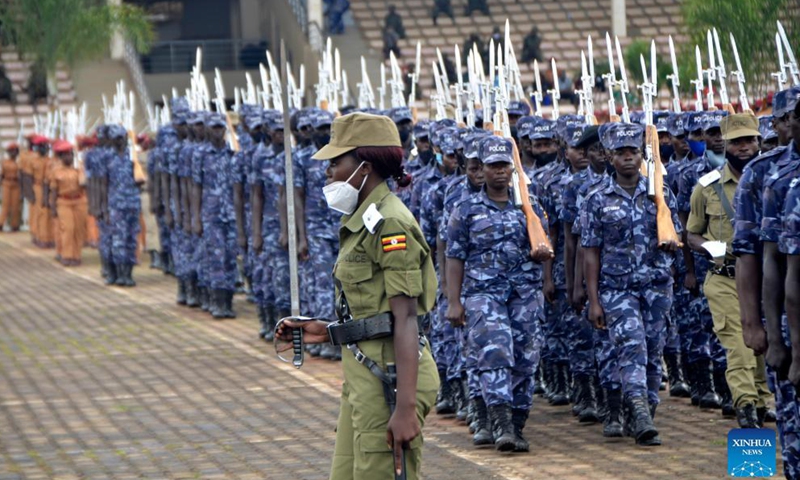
(443, 76)
(275, 85)
(537, 95)
(623, 83)
(586, 93)
(665, 229)
(722, 75)
(366, 97)
(555, 93)
(382, 88)
(791, 65)
(459, 87)
(265, 90)
(438, 98)
(219, 90)
(611, 81)
(398, 99)
(711, 73)
(739, 75)
(674, 78)
(412, 96)
(520, 181)
(698, 82)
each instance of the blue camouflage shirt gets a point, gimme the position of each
(309, 175)
(789, 241)
(123, 193)
(775, 190)
(623, 227)
(215, 176)
(493, 243)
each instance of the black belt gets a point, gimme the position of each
(728, 269)
(354, 331)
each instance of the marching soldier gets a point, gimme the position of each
(12, 194)
(386, 280)
(711, 219)
(69, 204)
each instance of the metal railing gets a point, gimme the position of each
(179, 56)
(134, 64)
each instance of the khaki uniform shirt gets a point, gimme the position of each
(708, 217)
(394, 260)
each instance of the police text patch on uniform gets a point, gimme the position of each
(393, 241)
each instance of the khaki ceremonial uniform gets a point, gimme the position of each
(746, 372)
(12, 195)
(373, 267)
(72, 208)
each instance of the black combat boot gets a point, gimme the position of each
(122, 273)
(168, 263)
(471, 415)
(612, 425)
(181, 299)
(677, 386)
(103, 267)
(262, 321)
(328, 351)
(251, 296)
(155, 260)
(192, 299)
(228, 304)
(705, 385)
(538, 377)
(724, 392)
(519, 417)
(129, 281)
(111, 273)
(585, 399)
(463, 401)
(204, 298)
(602, 400)
(765, 415)
(446, 404)
(690, 374)
(483, 432)
(747, 416)
(269, 312)
(502, 428)
(559, 395)
(641, 424)
(217, 304)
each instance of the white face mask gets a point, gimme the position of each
(341, 196)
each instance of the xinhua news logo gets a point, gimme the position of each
(751, 453)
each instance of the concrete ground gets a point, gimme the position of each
(111, 383)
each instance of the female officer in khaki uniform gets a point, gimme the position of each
(385, 271)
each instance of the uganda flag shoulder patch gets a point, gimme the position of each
(393, 241)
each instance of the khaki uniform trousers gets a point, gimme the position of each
(72, 215)
(746, 373)
(12, 205)
(361, 451)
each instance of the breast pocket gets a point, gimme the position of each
(616, 226)
(358, 287)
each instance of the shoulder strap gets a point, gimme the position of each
(726, 205)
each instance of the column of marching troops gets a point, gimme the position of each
(592, 328)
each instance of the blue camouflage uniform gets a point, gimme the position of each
(124, 204)
(200, 252)
(157, 166)
(635, 283)
(748, 206)
(217, 213)
(96, 166)
(501, 291)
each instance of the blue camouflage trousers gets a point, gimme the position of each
(104, 231)
(124, 232)
(556, 334)
(580, 342)
(199, 266)
(505, 335)
(445, 342)
(164, 235)
(317, 292)
(605, 353)
(220, 243)
(179, 252)
(275, 275)
(636, 320)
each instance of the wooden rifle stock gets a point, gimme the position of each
(234, 139)
(665, 229)
(138, 173)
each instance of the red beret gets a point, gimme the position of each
(62, 146)
(39, 139)
(12, 146)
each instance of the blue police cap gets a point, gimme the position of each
(472, 143)
(703, 120)
(543, 129)
(274, 119)
(765, 127)
(216, 119)
(196, 117)
(573, 134)
(116, 131)
(661, 120)
(713, 119)
(450, 143)
(785, 101)
(179, 104)
(400, 114)
(523, 123)
(567, 121)
(305, 115)
(321, 118)
(494, 149)
(421, 129)
(637, 116)
(624, 135)
(602, 131)
(518, 107)
(371, 111)
(675, 124)
(589, 136)
(443, 135)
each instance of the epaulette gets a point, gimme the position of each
(372, 218)
(709, 178)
